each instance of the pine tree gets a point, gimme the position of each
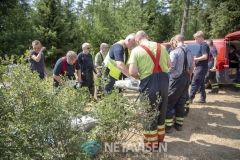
(52, 26)
(16, 28)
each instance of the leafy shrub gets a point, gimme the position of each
(36, 118)
(120, 118)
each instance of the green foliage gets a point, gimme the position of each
(36, 118)
(53, 21)
(225, 19)
(121, 118)
(65, 25)
(16, 29)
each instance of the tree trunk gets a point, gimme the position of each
(185, 17)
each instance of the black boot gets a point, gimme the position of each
(168, 129)
(235, 89)
(178, 127)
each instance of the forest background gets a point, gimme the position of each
(63, 25)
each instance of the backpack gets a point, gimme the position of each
(64, 65)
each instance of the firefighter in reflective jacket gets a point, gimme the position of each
(116, 60)
(151, 60)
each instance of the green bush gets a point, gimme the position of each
(120, 118)
(36, 118)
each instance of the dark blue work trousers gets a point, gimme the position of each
(197, 82)
(156, 86)
(87, 81)
(177, 95)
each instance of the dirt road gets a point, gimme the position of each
(211, 131)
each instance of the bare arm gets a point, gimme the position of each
(79, 76)
(215, 63)
(133, 71)
(169, 63)
(57, 78)
(38, 57)
(202, 58)
(123, 68)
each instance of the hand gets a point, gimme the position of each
(135, 80)
(213, 69)
(195, 59)
(194, 69)
(43, 48)
(99, 74)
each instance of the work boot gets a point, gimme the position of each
(235, 89)
(178, 127)
(213, 92)
(187, 111)
(168, 129)
(201, 100)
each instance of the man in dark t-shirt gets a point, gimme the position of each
(117, 59)
(37, 59)
(66, 66)
(201, 60)
(87, 68)
(212, 66)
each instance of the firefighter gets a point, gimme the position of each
(116, 60)
(182, 66)
(66, 66)
(201, 60)
(212, 66)
(151, 60)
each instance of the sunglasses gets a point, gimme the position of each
(88, 48)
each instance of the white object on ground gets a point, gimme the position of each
(127, 83)
(86, 123)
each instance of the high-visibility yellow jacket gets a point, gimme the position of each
(112, 66)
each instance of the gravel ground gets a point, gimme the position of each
(211, 131)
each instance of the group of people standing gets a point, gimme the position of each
(161, 75)
(169, 76)
(66, 66)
